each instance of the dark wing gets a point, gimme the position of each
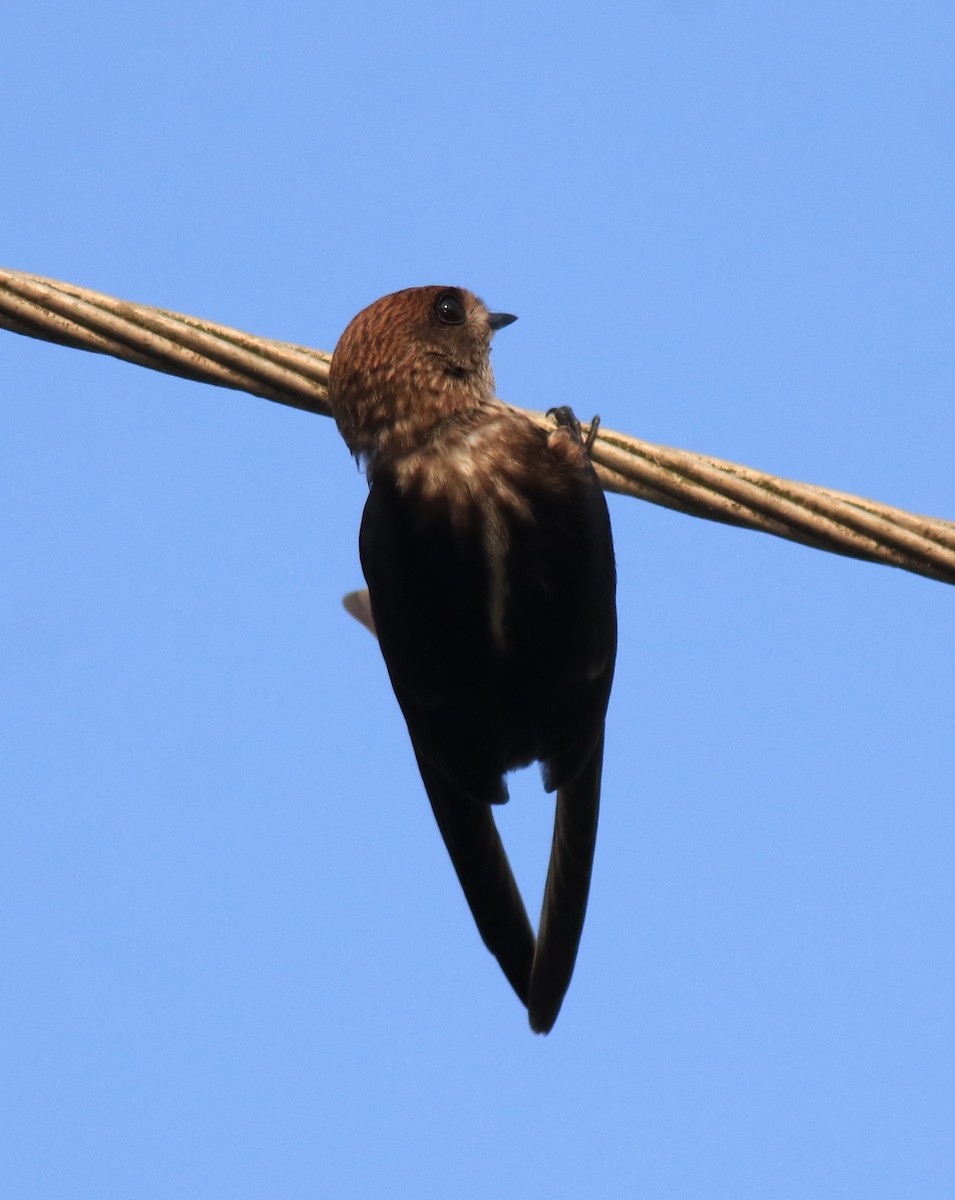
(563, 616)
(427, 585)
(573, 551)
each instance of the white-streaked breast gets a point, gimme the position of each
(474, 471)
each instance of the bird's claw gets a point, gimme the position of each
(565, 417)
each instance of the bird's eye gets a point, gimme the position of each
(450, 310)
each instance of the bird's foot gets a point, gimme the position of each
(565, 416)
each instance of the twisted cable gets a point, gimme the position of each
(298, 376)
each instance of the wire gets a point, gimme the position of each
(298, 376)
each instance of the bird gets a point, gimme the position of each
(486, 546)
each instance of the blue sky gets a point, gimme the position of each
(235, 961)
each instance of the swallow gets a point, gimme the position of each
(486, 546)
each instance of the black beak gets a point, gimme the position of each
(499, 320)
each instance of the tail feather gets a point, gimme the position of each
(484, 871)
(565, 892)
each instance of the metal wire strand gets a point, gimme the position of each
(298, 376)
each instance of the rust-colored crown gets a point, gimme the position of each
(408, 361)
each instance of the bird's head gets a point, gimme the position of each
(408, 362)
